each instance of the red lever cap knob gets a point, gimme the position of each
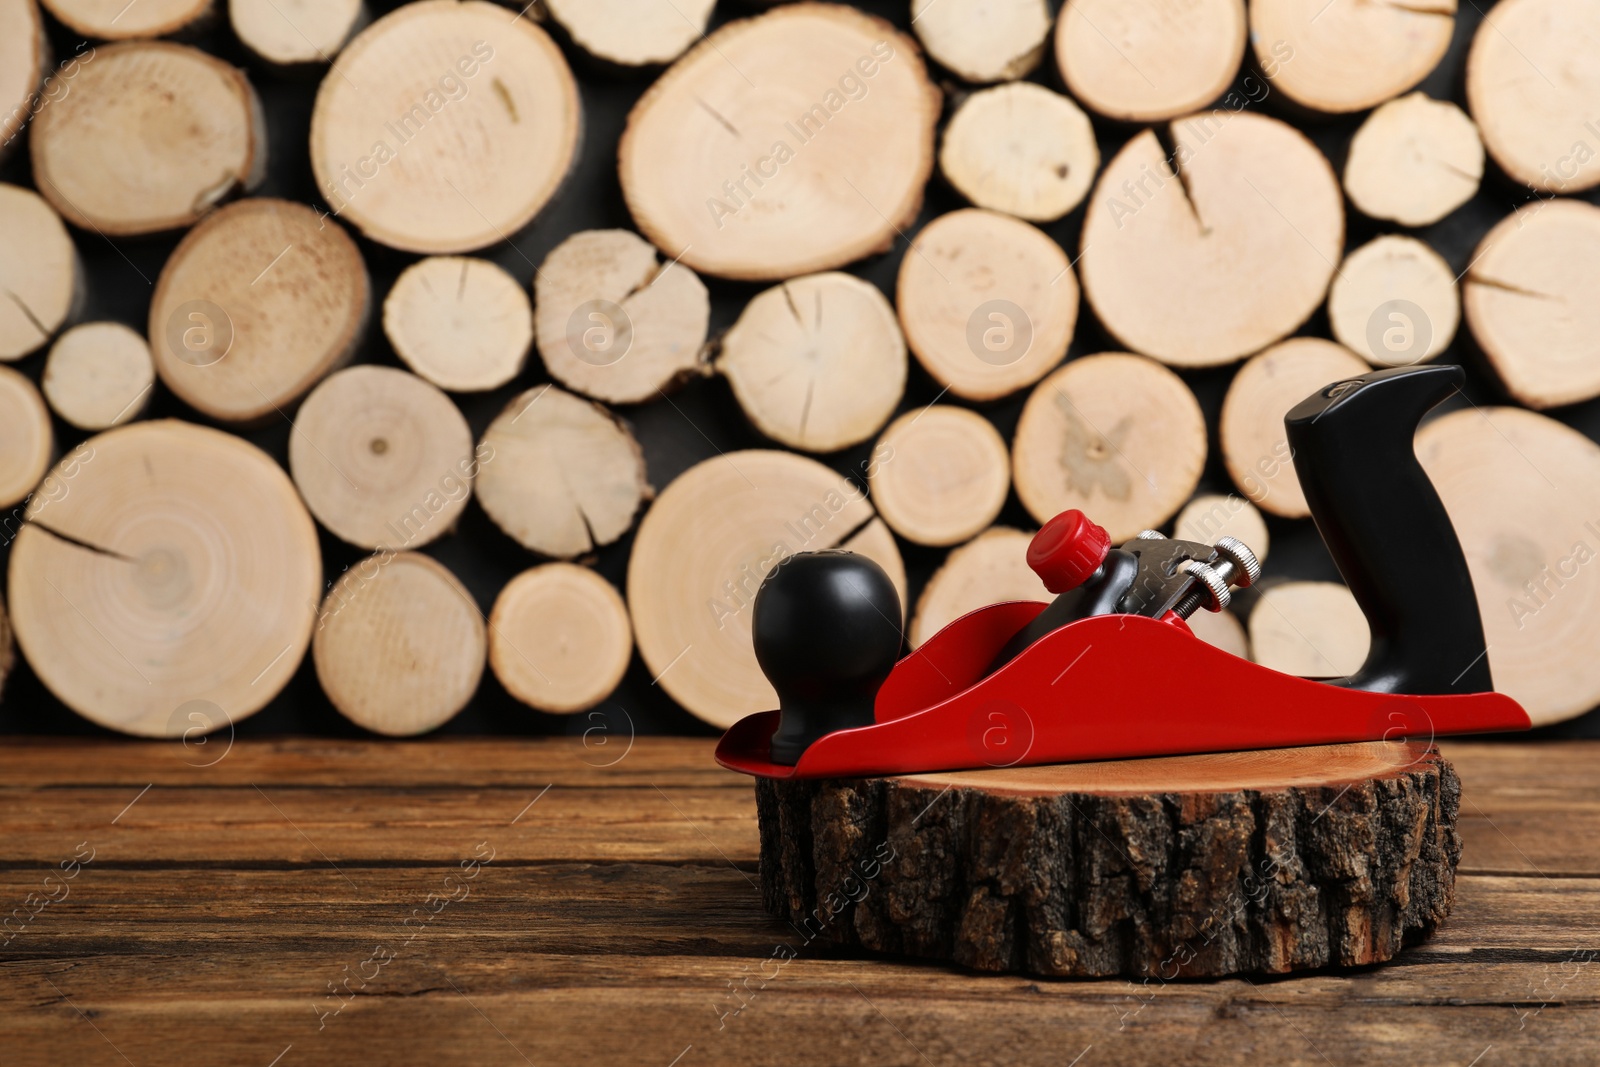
(1068, 550)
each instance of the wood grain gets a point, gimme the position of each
(382, 458)
(190, 569)
(27, 440)
(295, 33)
(1166, 233)
(561, 475)
(1255, 445)
(105, 18)
(988, 303)
(222, 950)
(943, 476)
(817, 363)
(24, 64)
(981, 41)
(1414, 160)
(1543, 253)
(1360, 55)
(1394, 302)
(1147, 62)
(1525, 119)
(40, 270)
(1021, 149)
(99, 375)
(759, 185)
(478, 111)
(148, 137)
(703, 550)
(258, 303)
(462, 323)
(617, 323)
(560, 638)
(631, 35)
(400, 644)
(1524, 536)
(1115, 434)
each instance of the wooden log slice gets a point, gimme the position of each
(629, 33)
(294, 33)
(1219, 251)
(616, 323)
(255, 306)
(1184, 866)
(1394, 302)
(99, 375)
(821, 165)
(1255, 445)
(382, 458)
(817, 363)
(400, 645)
(940, 475)
(988, 303)
(1523, 492)
(1531, 87)
(24, 63)
(115, 20)
(1149, 62)
(1529, 302)
(39, 272)
(1222, 629)
(179, 566)
(1212, 515)
(1021, 149)
(983, 40)
(1413, 161)
(446, 127)
(1310, 629)
(27, 440)
(149, 136)
(990, 569)
(1339, 57)
(463, 324)
(703, 550)
(560, 475)
(559, 638)
(1118, 436)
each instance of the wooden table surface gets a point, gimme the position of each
(506, 902)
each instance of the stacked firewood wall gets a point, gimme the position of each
(621, 301)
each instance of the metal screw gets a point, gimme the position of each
(1213, 591)
(1246, 568)
(1232, 563)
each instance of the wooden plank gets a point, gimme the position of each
(617, 919)
(812, 1011)
(297, 826)
(207, 967)
(1559, 770)
(283, 826)
(614, 909)
(458, 1024)
(1526, 809)
(602, 754)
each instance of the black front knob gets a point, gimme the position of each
(827, 633)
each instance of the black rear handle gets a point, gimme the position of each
(1387, 530)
